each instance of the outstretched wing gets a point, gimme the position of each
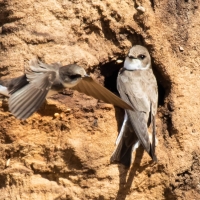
(11, 85)
(17, 83)
(90, 87)
(25, 101)
(37, 68)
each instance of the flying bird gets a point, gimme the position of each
(137, 86)
(28, 92)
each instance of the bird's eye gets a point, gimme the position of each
(141, 56)
(75, 76)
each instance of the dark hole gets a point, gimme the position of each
(110, 72)
(3, 181)
(161, 95)
(169, 194)
(162, 85)
(152, 4)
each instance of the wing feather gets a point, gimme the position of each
(88, 86)
(24, 102)
(37, 68)
(17, 83)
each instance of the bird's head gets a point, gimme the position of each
(71, 74)
(138, 58)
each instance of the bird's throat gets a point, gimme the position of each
(134, 64)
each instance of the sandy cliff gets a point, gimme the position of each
(67, 156)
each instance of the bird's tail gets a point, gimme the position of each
(122, 154)
(127, 142)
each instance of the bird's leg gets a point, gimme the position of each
(136, 145)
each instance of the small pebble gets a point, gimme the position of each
(141, 8)
(68, 109)
(119, 61)
(8, 162)
(181, 48)
(56, 115)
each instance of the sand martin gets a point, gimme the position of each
(137, 86)
(27, 92)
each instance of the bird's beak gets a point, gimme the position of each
(131, 57)
(86, 75)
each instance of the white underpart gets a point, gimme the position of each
(141, 8)
(122, 129)
(134, 64)
(4, 91)
(72, 83)
(151, 138)
(136, 145)
(68, 85)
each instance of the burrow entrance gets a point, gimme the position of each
(111, 69)
(110, 72)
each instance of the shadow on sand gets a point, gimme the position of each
(126, 175)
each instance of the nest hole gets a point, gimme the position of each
(110, 72)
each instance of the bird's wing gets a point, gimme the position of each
(11, 85)
(17, 83)
(152, 91)
(32, 71)
(90, 87)
(36, 68)
(153, 149)
(134, 91)
(25, 101)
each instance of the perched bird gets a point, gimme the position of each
(27, 92)
(137, 86)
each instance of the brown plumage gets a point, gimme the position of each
(28, 92)
(137, 86)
